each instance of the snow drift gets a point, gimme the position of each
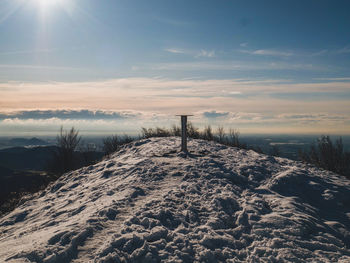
(150, 203)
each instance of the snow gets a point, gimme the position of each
(150, 203)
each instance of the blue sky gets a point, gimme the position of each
(259, 66)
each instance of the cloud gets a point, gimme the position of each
(344, 50)
(206, 53)
(236, 65)
(334, 79)
(268, 52)
(68, 115)
(21, 52)
(319, 53)
(254, 118)
(131, 103)
(142, 94)
(175, 50)
(215, 114)
(193, 53)
(338, 51)
(104, 123)
(290, 53)
(37, 67)
(319, 117)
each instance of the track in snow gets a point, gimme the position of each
(149, 203)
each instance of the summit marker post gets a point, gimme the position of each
(184, 132)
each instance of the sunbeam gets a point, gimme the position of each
(6, 13)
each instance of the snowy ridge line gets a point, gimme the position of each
(150, 203)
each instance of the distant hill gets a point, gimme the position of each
(26, 142)
(36, 158)
(21, 158)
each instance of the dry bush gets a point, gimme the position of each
(111, 144)
(207, 134)
(328, 156)
(221, 136)
(192, 131)
(64, 159)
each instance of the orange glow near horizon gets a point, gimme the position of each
(163, 98)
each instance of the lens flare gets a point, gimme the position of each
(48, 5)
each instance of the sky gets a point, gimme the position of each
(114, 66)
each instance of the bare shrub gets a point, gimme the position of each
(230, 139)
(111, 144)
(162, 132)
(207, 134)
(88, 153)
(233, 137)
(221, 136)
(175, 130)
(328, 156)
(192, 131)
(155, 132)
(64, 159)
(147, 133)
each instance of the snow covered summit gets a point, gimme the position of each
(150, 203)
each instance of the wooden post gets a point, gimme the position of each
(184, 133)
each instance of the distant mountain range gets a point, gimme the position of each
(34, 158)
(21, 158)
(26, 142)
(22, 142)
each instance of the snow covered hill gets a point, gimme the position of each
(150, 203)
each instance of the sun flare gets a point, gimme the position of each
(46, 5)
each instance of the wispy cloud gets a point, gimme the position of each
(175, 50)
(286, 122)
(268, 52)
(68, 114)
(334, 79)
(344, 50)
(21, 52)
(319, 53)
(215, 114)
(336, 51)
(172, 96)
(206, 53)
(220, 65)
(36, 67)
(192, 53)
(300, 53)
(245, 121)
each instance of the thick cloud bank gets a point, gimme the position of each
(150, 203)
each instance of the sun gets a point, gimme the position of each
(46, 5)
